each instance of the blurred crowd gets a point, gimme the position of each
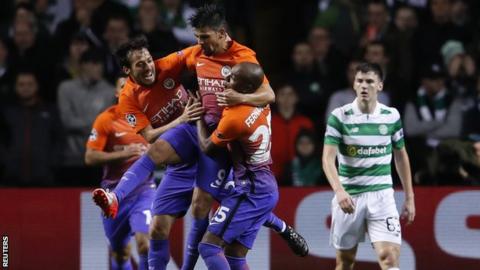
(57, 73)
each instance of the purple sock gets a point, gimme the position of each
(134, 176)
(199, 226)
(274, 222)
(213, 256)
(126, 265)
(143, 262)
(158, 254)
(237, 263)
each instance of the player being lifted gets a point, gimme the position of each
(245, 129)
(115, 145)
(366, 133)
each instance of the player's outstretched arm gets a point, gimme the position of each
(204, 141)
(192, 112)
(328, 162)
(402, 164)
(95, 157)
(264, 95)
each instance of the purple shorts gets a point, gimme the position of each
(241, 215)
(196, 169)
(133, 216)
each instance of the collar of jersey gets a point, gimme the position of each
(357, 111)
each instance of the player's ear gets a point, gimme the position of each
(222, 32)
(126, 70)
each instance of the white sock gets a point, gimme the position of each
(394, 268)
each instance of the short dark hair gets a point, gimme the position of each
(26, 71)
(212, 16)
(251, 76)
(367, 67)
(124, 50)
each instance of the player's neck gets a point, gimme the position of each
(367, 107)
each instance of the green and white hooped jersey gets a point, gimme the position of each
(365, 143)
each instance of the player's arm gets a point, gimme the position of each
(204, 141)
(192, 112)
(95, 157)
(328, 164)
(227, 130)
(402, 164)
(264, 95)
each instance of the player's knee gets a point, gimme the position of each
(158, 231)
(142, 245)
(160, 152)
(201, 205)
(388, 257)
(121, 255)
(345, 260)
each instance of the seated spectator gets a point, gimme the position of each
(460, 67)
(471, 115)
(286, 124)
(80, 100)
(117, 32)
(434, 115)
(306, 167)
(32, 138)
(377, 22)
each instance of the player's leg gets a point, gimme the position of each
(172, 200)
(294, 240)
(236, 255)
(384, 228)
(345, 258)
(347, 230)
(159, 252)
(211, 249)
(388, 255)
(118, 233)
(140, 220)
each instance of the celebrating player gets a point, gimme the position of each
(115, 145)
(246, 130)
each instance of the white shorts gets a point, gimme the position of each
(375, 214)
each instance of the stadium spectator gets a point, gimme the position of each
(162, 41)
(32, 136)
(286, 124)
(347, 95)
(117, 32)
(330, 62)
(174, 15)
(6, 75)
(51, 13)
(471, 115)
(103, 10)
(303, 76)
(69, 67)
(435, 114)
(377, 22)
(306, 167)
(460, 67)
(80, 100)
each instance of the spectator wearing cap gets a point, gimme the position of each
(435, 114)
(80, 100)
(460, 67)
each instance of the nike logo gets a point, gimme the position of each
(200, 64)
(146, 107)
(120, 134)
(213, 185)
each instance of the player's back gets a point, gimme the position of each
(250, 150)
(111, 133)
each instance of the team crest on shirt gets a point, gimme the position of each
(131, 119)
(93, 135)
(169, 83)
(352, 150)
(226, 71)
(383, 129)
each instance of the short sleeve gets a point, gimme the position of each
(228, 129)
(179, 60)
(99, 134)
(251, 58)
(128, 109)
(333, 135)
(398, 141)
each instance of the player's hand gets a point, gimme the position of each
(229, 97)
(345, 201)
(134, 149)
(193, 111)
(408, 210)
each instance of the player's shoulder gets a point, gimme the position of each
(388, 111)
(108, 114)
(241, 51)
(343, 112)
(130, 88)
